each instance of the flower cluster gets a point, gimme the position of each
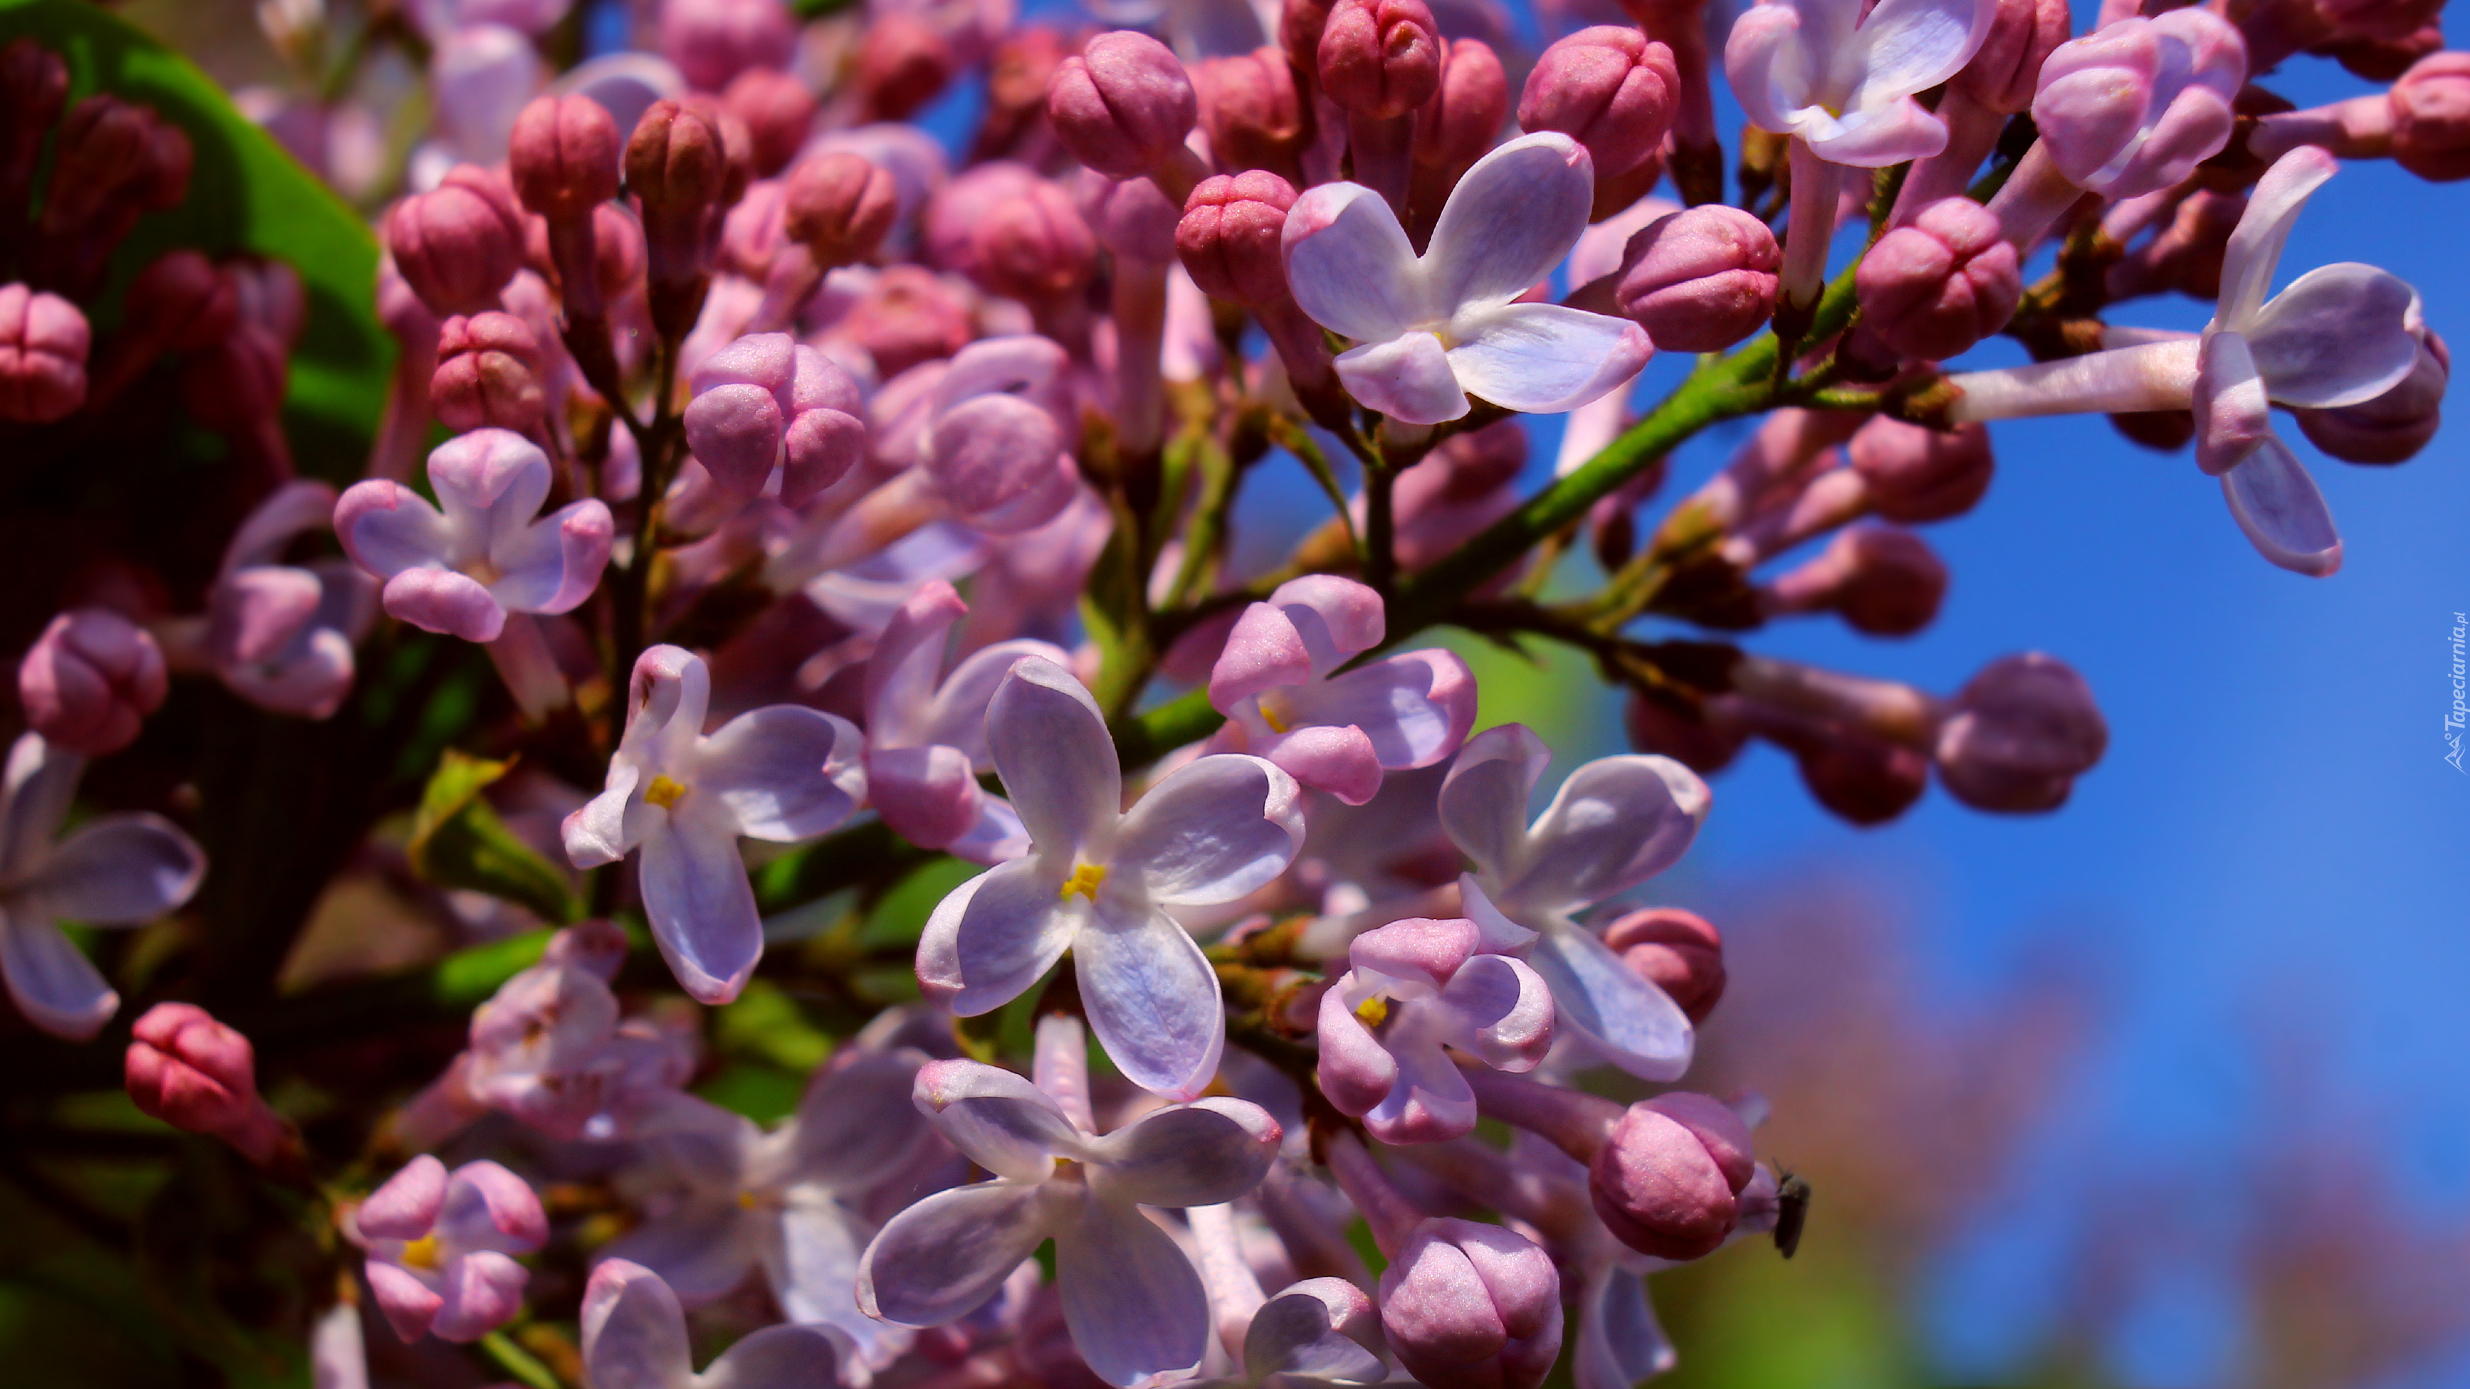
(846, 519)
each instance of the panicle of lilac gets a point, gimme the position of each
(195, 1073)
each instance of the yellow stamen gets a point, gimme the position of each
(422, 1253)
(1373, 1010)
(1269, 715)
(748, 1200)
(1085, 880)
(663, 792)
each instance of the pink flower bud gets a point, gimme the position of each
(459, 243)
(43, 342)
(910, 316)
(112, 162)
(1700, 280)
(1861, 778)
(1610, 88)
(90, 680)
(487, 374)
(1256, 114)
(2379, 19)
(903, 63)
(2006, 70)
(1129, 216)
(712, 41)
(840, 206)
(1706, 744)
(1230, 233)
(778, 111)
(763, 405)
(1946, 280)
(1472, 1306)
(2134, 106)
(1885, 580)
(1916, 474)
(1677, 951)
(2023, 730)
(1034, 246)
(1380, 58)
(2395, 425)
(564, 157)
(1665, 1178)
(196, 1074)
(1300, 26)
(1124, 106)
(1463, 118)
(678, 167)
(2431, 117)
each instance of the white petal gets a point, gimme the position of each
(1874, 137)
(2277, 505)
(1201, 1154)
(1057, 762)
(1298, 1332)
(1542, 359)
(998, 1120)
(945, 1256)
(956, 716)
(1152, 999)
(1483, 801)
(1407, 378)
(857, 1123)
(2254, 251)
(117, 870)
(1628, 1021)
(2337, 336)
(1615, 823)
(994, 935)
(41, 782)
(701, 908)
(1213, 830)
(1136, 1309)
(1350, 266)
(702, 1250)
(1912, 45)
(785, 772)
(55, 985)
(2231, 411)
(1763, 60)
(1510, 220)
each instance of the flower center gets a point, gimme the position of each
(663, 792)
(1374, 1010)
(1085, 880)
(1270, 715)
(422, 1253)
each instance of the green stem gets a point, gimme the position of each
(1291, 437)
(517, 1363)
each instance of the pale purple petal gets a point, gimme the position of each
(1626, 1020)
(482, 1292)
(998, 837)
(1350, 266)
(2276, 503)
(2254, 250)
(701, 908)
(702, 1250)
(1299, 1332)
(1152, 999)
(813, 1269)
(995, 935)
(1200, 1154)
(784, 772)
(927, 795)
(956, 717)
(900, 675)
(490, 483)
(1616, 822)
(1340, 760)
(41, 783)
(1407, 378)
(444, 601)
(387, 528)
(1504, 1009)
(1336, 617)
(596, 833)
(778, 1357)
(1910, 46)
(54, 984)
(1263, 652)
(407, 1206)
(2232, 414)
(670, 693)
(634, 1331)
(1415, 707)
(255, 613)
(1544, 358)
(1356, 1072)
(1056, 759)
(1619, 1341)
(997, 1119)
(1510, 220)
(488, 1207)
(1429, 1103)
(296, 506)
(554, 564)
(857, 1123)
(2337, 336)
(945, 1256)
(407, 1303)
(1136, 1309)
(736, 432)
(338, 1357)
(1483, 801)
(116, 870)
(1764, 65)
(1212, 831)
(1875, 137)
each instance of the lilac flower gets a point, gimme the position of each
(771, 416)
(441, 1248)
(2337, 336)
(1616, 822)
(115, 870)
(461, 570)
(1414, 988)
(549, 1048)
(788, 1201)
(781, 773)
(926, 737)
(1278, 685)
(1317, 1334)
(1841, 82)
(1432, 329)
(1136, 1308)
(634, 1337)
(1097, 881)
(281, 635)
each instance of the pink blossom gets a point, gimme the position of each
(441, 1247)
(1412, 988)
(281, 635)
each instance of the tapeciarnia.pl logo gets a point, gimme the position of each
(2459, 713)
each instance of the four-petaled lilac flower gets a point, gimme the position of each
(1414, 988)
(281, 635)
(1277, 682)
(1316, 1334)
(461, 570)
(634, 1337)
(1841, 81)
(789, 1200)
(115, 870)
(781, 773)
(1616, 822)
(926, 737)
(549, 1048)
(441, 1248)
(772, 416)
(1434, 329)
(1134, 1304)
(1098, 878)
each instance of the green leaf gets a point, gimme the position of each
(246, 194)
(458, 841)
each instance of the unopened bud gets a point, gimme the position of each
(112, 162)
(563, 157)
(1706, 743)
(1034, 246)
(1885, 580)
(2022, 731)
(712, 41)
(43, 343)
(1610, 88)
(910, 316)
(459, 243)
(1946, 280)
(1256, 114)
(903, 63)
(1230, 234)
(2431, 117)
(1864, 779)
(2006, 69)
(2395, 425)
(90, 680)
(1463, 118)
(1677, 951)
(778, 111)
(487, 374)
(2379, 19)
(1665, 1179)
(196, 1074)
(1916, 474)
(840, 206)
(764, 406)
(1472, 1306)
(1300, 26)
(1700, 280)
(1124, 105)
(1380, 58)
